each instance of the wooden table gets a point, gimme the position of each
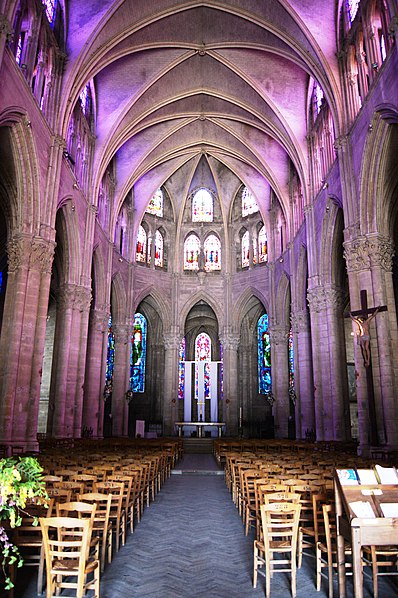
(377, 531)
(200, 426)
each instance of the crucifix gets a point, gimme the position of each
(362, 319)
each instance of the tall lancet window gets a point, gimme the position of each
(202, 206)
(203, 353)
(155, 205)
(264, 356)
(352, 9)
(245, 250)
(159, 249)
(138, 354)
(191, 252)
(181, 369)
(249, 204)
(255, 250)
(262, 246)
(140, 252)
(212, 250)
(291, 360)
(110, 359)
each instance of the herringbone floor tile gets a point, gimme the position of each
(191, 544)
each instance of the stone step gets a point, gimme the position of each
(198, 445)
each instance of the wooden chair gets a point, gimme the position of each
(383, 561)
(29, 540)
(280, 522)
(311, 532)
(68, 564)
(261, 488)
(59, 494)
(128, 504)
(75, 488)
(117, 515)
(102, 527)
(326, 552)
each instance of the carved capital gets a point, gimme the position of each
(42, 255)
(99, 319)
(340, 143)
(230, 342)
(32, 253)
(369, 251)
(300, 321)
(122, 333)
(171, 342)
(278, 335)
(322, 298)
(72, 296)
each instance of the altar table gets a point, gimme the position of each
(200, 426)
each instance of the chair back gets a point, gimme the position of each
(280, 522)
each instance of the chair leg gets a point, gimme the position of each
(318, 568)
(374, 572)
(255, 566)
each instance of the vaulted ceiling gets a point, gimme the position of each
(178, 80)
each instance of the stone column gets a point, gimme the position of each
(369, 265)
(121, 378)
(230, 343)
(170, 398)
(93, 402)
(67, 376)
(330, 372)
(23, 337)
(303, 376)
(280, 378)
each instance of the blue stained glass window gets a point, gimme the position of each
(1, 281)
(110, 355)
(18, 55)
(138, 354)
(264, 356)
(291, 360)
(181, 369)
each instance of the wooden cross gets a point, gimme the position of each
(362, 317)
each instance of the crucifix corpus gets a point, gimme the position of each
(362, 319)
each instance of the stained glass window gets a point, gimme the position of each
(249, 204)
(318, 98)
(264, 356)
(352, 9)
(140, 254)
(203, 353)
(138, 354)
(155, 205)
(245, 250)
(262, 246)
(291, 360)
(50, 10)
(212, 250)
(159, 249)
(149, 249)
(202, 206)
(181, 369)
(84, 99)
(191, 252)
(110, 355)
(18, 55)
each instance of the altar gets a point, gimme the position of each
(200, 426)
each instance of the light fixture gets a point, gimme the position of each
(28, 124)
(370, 127)
(325, 184)
(120, 259)
(375, 66)
(73, 208)
(327, 208)
(129, 395)
(281, 260)
(75, 186)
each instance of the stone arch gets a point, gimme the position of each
(202, 296)
(155, 297)
(68, 249)
(332, 264)
(242, 305)
(23, 176)
(301, 280)
(99, 280)
(377, 167)
(118, 299)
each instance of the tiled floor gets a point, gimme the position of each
(190, 544)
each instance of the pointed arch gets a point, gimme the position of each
(282, 303)
(196, 298)
(119, 299)
(155, 297)
(68, 237)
